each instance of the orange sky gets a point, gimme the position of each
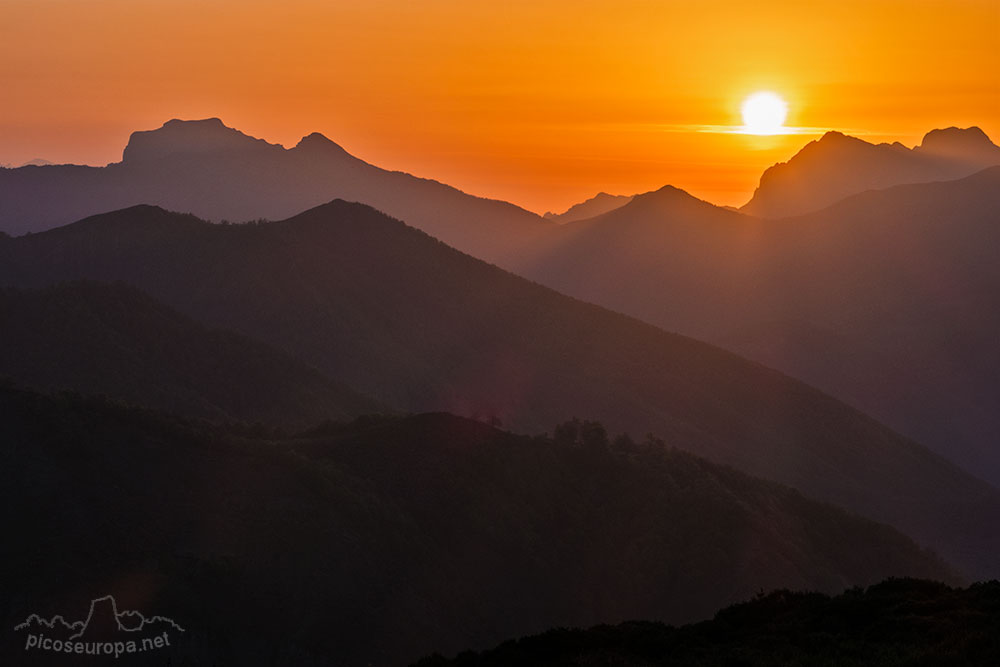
(540, 103)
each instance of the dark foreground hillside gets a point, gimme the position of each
(382, 540)
(896, 622)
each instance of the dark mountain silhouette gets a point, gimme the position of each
(897, 622)
(837, 166)
(114, 340)
(970, 145)
(200, 138)
(889, 299)
(401, 317)
(379, 541)
(600, 203)
(219, 173)
(216, 172)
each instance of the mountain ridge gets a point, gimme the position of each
(219, 173)
(404, 535)
(839, 165)
(866, 299)
(401, 317)
(781, 628)
(193, 137)
(113, 340)
(602, 202)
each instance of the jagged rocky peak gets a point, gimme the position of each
(964, 143)
(176, 137)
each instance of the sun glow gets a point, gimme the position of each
(764, 113)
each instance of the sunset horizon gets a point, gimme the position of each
(542, 105)
(796, 137)
(648, 333)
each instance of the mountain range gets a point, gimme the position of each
(287, 435)
(397, 315)
(888, 299)
(837, 166)
(216, 172)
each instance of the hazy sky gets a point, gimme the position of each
(541, 103)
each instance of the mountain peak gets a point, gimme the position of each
(834, 139)
(969, 143)
(315, 138)
(600, 203)
(317, 142)
(831, 136)
(668, 193)
(667, 200)
(973, 134)
(839, 165)
(204, 122)
(176, 136)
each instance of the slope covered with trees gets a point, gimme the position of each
(897, 622)
(381, 540)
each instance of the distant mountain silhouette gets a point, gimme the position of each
(837, 166)
(114, 340)
(969, 145)
(889, 300)
(600, 203)
(380, 541)
(178, 138)
(219, 173)
(399, 316)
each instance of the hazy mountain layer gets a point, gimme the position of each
(889, 299)
(219, 173)
(600, 203)
(114, 340)
(400, 316)
(380, 541)
(837, 166)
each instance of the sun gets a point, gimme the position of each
(764, 113)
